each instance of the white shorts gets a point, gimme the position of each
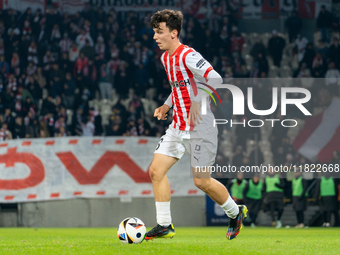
(202, 143)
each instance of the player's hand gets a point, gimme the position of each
(160, 112)
(194, 115)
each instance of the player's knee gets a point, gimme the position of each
(155, 174)
(202, 183)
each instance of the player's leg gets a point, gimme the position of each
(203, 149)
(159, 167)
(168, 151)
(218, 192)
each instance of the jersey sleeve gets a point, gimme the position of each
(168, 101)
(197, 64)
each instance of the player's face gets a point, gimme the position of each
(163, 36)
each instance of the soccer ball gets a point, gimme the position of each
(131, 230)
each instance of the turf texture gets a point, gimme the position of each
(195, 240)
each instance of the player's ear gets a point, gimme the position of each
(174, 34)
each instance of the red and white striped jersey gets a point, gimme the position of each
(183, 68)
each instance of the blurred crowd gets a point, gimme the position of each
(53, 64)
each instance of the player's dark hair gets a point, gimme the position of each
(173, 20)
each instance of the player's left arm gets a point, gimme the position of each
(202, 70)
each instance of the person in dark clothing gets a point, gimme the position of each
(252, 195)
(27, 106)
(48, 106)
(334, 52)
(76, 122)
(324, 22)
(257, 48)
(115, 130)
(276, 45)
(8, 118)
(326, 189)
(294, 25)
(273, 198)
(263, 64)
(309, 56)
(34, 88)
(299, 187)
(69, 91)
(19, 130)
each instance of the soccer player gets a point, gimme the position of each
(189, 131)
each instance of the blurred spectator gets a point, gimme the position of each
(81, 62)
(65, 43)
(32, 128)
(60, 124)
(334, 52)
(5, 134)
(294, 25)
(88, 50)
(304, 71)
(236, 187)
(73, 52)
(143, 127)
(76, 128)
(238, 62)
(276, 45)
(88, 127)
(328, 192)
(273, 198)
(69, 91)
(257, 48)
(115, 130)
(4, 66)
(252, 195)
(333, 79)
(323, 49)
(105, 84)
(299, 187)
(33, 53)
(15, 64)
(19, 130)
(100, 49)
(301, 44)
(324, 23)
(318, 70)
(82, 38)
(48, 60)
(263, 66)
(318, 60)
(309, 56)
(236, 40)
(49, 121)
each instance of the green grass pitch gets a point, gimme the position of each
(200, 240)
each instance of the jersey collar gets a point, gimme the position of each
(179, 48)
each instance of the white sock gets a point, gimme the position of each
(230, 208)
(163, 213)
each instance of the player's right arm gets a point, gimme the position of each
(160, 112)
